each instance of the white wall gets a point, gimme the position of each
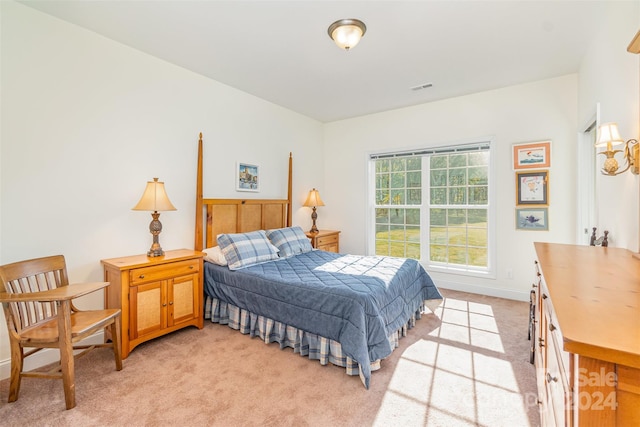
(87, 121)
(609, 75)
(529, 112)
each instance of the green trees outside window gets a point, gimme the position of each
(454, 200)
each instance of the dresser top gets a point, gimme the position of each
(595, 293)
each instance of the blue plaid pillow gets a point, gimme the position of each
(245, 249)
(290, 241)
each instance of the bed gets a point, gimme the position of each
(347, 310)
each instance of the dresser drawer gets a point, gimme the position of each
(628, 396)
(628, 378)
(555, 333)
(163, 271)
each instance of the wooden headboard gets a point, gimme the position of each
(215, 216)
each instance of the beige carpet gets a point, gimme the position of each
(469, 367)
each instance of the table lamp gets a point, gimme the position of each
(154, 199)
(313, 201)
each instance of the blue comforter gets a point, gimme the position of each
(358, 301)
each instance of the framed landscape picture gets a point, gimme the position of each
(532, 155)
(532, 219)
(247, 177)
(532, 188)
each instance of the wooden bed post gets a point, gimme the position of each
(289, 191)
(199, 225)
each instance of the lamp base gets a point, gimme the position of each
(155, 228)
(314, 217)
(155, 251)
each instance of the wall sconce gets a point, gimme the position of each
(313, 200)
(346, 33)
(608, 136)
(154, 199)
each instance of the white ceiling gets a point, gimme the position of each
(280, 50)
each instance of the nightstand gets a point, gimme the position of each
(326, 240)
(157, 295)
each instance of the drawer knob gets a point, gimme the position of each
(552, 327)
(164, 305)
(550, 378)
(544, 296)
(171, 303)
(191, 267)
(141, 276)
(541, 342)
(533, 285)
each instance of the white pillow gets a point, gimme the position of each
(215, 255)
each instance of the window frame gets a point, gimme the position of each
(490, 270)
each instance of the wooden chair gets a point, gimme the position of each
(39, 311)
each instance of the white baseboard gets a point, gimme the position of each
(44, 357)
(484, 290)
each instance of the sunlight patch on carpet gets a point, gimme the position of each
(468, 323)
(457, 376)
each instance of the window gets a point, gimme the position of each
(398, 200)
(433, 205)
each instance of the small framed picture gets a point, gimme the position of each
(532, 188)
(532, 219)
(247, 177)
(532, 155)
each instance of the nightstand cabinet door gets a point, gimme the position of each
(148, 303)
(182, 299)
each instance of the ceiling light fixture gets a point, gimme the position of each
(346, 33)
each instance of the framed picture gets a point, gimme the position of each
(247, 177)
(532, 219)
(532, 155)
(532, 188)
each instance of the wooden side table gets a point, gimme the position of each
(156, 295)
(326, 240)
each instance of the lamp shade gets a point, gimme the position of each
(154, 198)
(346, 33)
(608, 134)
(313, 199)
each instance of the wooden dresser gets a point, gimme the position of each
(156, 295)
(586, 335)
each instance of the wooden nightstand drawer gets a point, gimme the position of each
(327, 240)
(161, 272)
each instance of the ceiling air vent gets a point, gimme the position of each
(422, 86)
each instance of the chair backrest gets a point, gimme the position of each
(33, 275)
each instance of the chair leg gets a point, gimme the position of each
(115, 340)
(17, 363)
(66, 353)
